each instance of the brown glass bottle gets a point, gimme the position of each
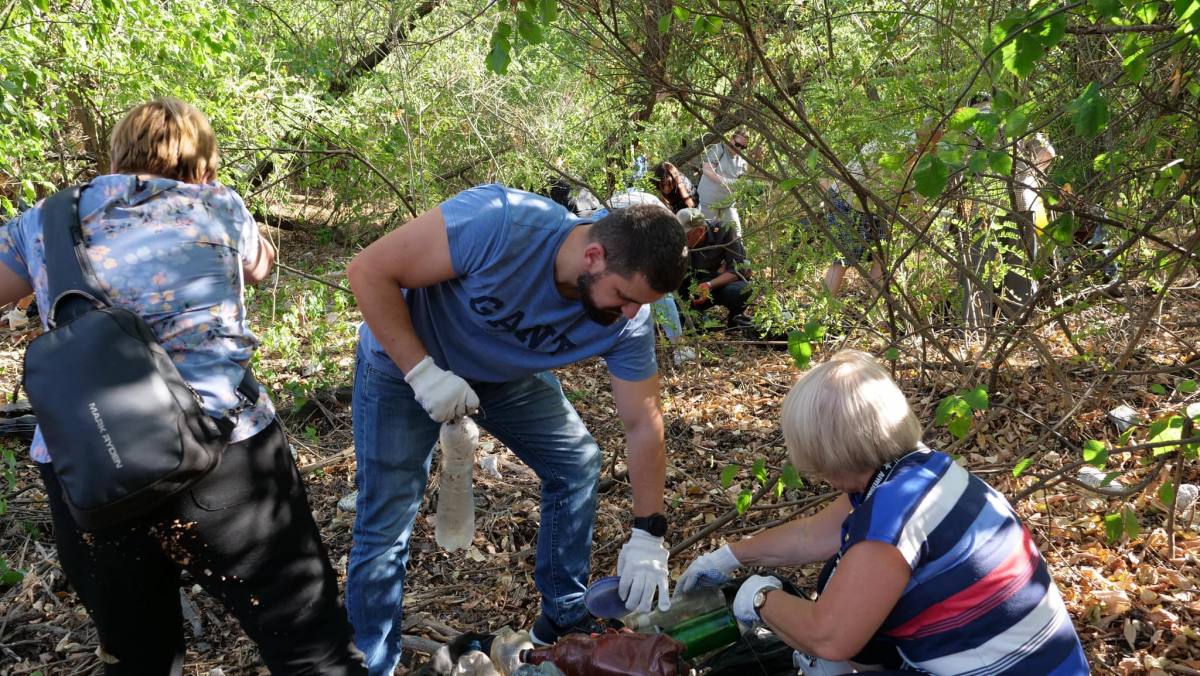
(611, 654)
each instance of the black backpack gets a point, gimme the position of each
(125, 431)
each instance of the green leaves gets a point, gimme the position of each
(529, 29)
(707, 24)
(498, 59)
(1095, 453)
(957, 411)
(743, 501)
(978, 161)
(1158, 389)
(1025, 39)
(1089, 111)
(1021, 467)
(728, 475)
(1166, 493)
(800, 343)
(1000, 162)
(1188, 12)
(790, 478)
(1187, 386)
(1165, 430)
(1114, 525)
(892, 354)
(1017, 120)
(930, 176)
(548, 9)
(789, 184)
(1106, 8)
(963, 118)
(664, 24)
(759, 470)
(977, 398)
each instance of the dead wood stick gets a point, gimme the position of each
(725, 518)
(342, 455)
(420, 644)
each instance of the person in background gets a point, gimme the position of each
(855, 225)
(717, 266)
(467, 309)
(723, 166)
(666, 312)
(928, 569)
(674, 189)
(169, 242)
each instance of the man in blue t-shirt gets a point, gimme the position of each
(467, 309)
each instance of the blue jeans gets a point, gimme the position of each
(393, 442)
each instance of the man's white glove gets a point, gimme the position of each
(743, 603)
(709, 570)
(642, 567)
(443, 395)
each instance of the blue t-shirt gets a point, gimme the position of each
(981, 600)
(173, 253)
(502, 317)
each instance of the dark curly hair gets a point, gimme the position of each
(646, 239)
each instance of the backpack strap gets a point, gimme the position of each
(73, 285)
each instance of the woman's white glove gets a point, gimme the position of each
(443, 395)
(709, 570)
(642, 567)
(743, 603)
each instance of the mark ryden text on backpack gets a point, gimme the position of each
(108, 444)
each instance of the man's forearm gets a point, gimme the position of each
(385, 310)
(647, 466)
(723, 279)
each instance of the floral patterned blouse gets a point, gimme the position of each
(172, 252)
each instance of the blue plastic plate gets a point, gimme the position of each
(603, 599)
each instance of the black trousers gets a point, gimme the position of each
(246, 535)
(733, 296)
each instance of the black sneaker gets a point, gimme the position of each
(545, 631)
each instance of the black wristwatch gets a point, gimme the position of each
(655, 524)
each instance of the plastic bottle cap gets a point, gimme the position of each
(603, 599)
(474, 646)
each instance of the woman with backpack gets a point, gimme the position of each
(173, 246)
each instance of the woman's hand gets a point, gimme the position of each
(709, 570)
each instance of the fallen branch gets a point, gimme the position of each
(725, 518)
(340, 456)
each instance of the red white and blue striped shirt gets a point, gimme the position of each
(981, 601)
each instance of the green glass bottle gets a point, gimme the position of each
(706, 633)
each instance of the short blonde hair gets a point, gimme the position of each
(166, 137)
(847, 416)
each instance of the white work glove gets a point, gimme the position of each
(443, 395)
(642, 567)
(743, 603)
(709, 570)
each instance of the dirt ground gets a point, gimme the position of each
(1136, 609)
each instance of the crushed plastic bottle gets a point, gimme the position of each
(455, 527)
(474, 662)
(612, 654)
(506, 650)
(543, 669)
(692, 604)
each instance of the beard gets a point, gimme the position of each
(594, 312)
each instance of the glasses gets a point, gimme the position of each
(739, 146)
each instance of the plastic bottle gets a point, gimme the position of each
(692, 604)
(474, 662)
(506, 650)
(706, 633)
(612, 654)
(456, 500)
(543, 669)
